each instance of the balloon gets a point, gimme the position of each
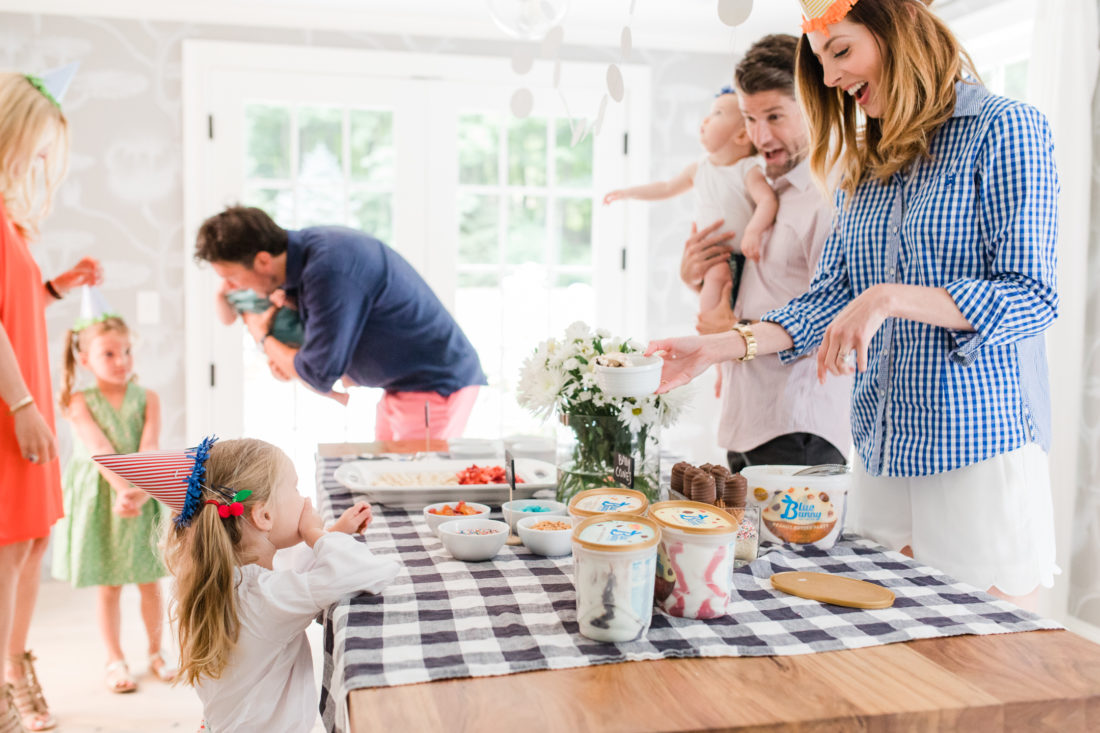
(527, 19)
(734, 12)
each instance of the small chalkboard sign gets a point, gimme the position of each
(624, 470)
(510, 472)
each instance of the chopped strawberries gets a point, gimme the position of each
(483, 475)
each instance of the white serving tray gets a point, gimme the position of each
(360, 476)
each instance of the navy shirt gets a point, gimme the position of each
(368, 314)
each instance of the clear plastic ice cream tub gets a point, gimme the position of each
(695, 558)
(605, 501)
(614, 565)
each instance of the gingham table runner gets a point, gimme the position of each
(443, 618)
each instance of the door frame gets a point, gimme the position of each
(204, 60)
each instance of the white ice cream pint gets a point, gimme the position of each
(606, 501)
(803, 510)
(695, 558)
(614, 561)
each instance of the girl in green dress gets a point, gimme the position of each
(109, 533)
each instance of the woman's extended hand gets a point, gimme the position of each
(685, 358)
(36, 440)
(86, 272)
(704, 249)
(852, 330)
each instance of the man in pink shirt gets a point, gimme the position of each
(774, 413)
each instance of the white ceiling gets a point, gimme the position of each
(689, 25)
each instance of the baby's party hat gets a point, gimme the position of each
(818, 15)
(53, 84)
(172, 477)
(93, 308)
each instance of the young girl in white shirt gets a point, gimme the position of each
(241, 623)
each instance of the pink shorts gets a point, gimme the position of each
(401, 414)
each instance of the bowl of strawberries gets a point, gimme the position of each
(445, 511)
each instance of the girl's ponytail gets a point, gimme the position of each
(206, 608)
(72, 343)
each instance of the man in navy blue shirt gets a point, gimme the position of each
(368, 317)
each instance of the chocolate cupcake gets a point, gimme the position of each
(735, 490)
(702, 487)
(676, 483)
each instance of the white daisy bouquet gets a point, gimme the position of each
(560, 377)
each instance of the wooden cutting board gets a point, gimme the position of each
(835, 589)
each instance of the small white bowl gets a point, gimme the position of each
(639, 380)
(514, 510)
(473, 547)
(549, 542)
(434, 520)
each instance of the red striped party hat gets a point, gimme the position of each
(172, 477)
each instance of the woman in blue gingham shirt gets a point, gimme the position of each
(940, 276)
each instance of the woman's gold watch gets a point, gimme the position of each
(745, 330)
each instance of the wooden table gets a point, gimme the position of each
(1025, 682)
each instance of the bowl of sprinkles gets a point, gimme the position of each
(473, 540)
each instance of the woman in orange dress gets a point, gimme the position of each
(33, 160)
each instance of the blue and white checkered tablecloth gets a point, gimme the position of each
(443, 618)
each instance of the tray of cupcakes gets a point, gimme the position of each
(714, 484)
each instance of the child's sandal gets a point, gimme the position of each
(27, 694)
(160, 669)
(118, 679)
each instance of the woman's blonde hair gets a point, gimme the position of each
(921, 61)
(78, 340)
(26, 117)
(202, 556)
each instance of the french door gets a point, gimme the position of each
(500, 215)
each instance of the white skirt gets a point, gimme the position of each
(990, 524)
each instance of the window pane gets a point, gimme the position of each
(479, 280)
(1016, 80)
(320, 141)
(371, 134)
(478, 146)
(575, 231)
(320, 206)
(267, 141)
(574, 164)
(278, 203)
(478, 218)
(526, 230)
(565, 279)
(372, 213)
(527, 152)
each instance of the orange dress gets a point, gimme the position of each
(30, 494)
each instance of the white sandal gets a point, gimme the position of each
(118, 679)
(160, 669)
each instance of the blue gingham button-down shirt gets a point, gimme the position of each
(979, 218)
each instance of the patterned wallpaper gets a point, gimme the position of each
(123, 199)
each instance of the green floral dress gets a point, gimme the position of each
(92, 544)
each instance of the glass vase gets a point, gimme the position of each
(586, 450)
